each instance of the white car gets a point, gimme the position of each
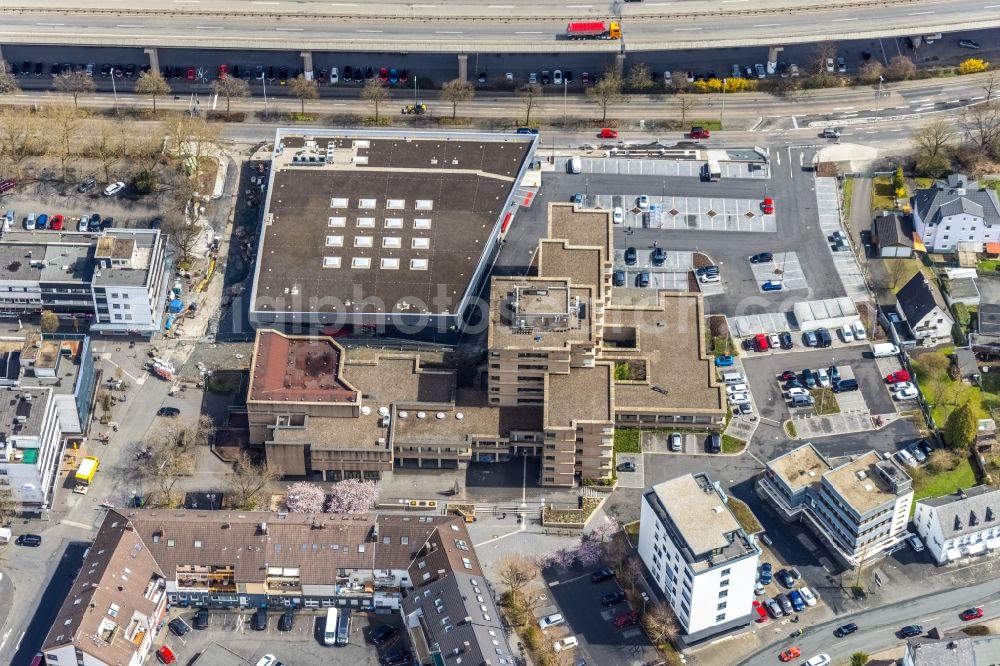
(509, 76)
(709, 278)
(906, 458)
(334, 76)
(533, 77)
(565, 643)
(642, 201)
(774, 341)
(113, 189)
(847, 333)
(618, 215)
(557, 78)
(551, 620)
(818, 660)
(267, 660)
(915, 543)
(905, 394)
(859, 331)
(793, 392)
(823, 378)
(901, 386)
(758, 588)
(739, 399)
(82, 224)
(737, 388)
(829, 64)
(807, 596)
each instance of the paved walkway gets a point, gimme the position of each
(828, 208)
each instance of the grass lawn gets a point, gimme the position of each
(627, 440)
(707, 124)
(848, 193)
(632, 529)
(883, 194)
(923, 183)
(935, 485)
(732, 445)
(995, 184)
(988, 265)
(826, 401)
(790, 429)
(945, 394)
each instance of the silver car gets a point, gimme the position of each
(676, 443)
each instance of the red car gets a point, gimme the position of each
(190, 74)
(223, 71)
(56, 223)
(585, 78)
(789, 654)
(608, 133)
(788, 375)
(767, 205)
(898, 376)
(761, 611)
(166, 655)
(972, 614)
(383, 75)
(700, 133)
(627, 619)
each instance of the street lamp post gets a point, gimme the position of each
(263, 82)
(114, 89)
(565, 86)
(723, 111)
(878, 97)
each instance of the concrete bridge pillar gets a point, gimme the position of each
(307, 64)
(154, 59)
(463, 66)
(620, 64)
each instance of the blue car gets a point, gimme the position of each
(393, 76)
(41, 221)
(723, 361)
(526, 130)
(577, 199)
(798, 603)
(765, 573)
(771, 285)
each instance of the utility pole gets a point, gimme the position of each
(878, 97)
(263, 82)
(723, 111)
(114, 89)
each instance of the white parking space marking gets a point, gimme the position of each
(690, 168)
(785, 268)
(691, 213)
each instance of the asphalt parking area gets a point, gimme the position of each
(687, 168)
(690, 213)
(672, 275)
(302, 645)
(63, 199)
(785, 268)
(579, 600)
(767, 322)
(630, 479)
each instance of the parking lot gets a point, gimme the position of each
(572, 594)
(302, 645)
(784, 268)
(694, 213)
(690, 168)
(52, 198)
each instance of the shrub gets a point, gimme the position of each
(145, 182)
(959, 335)
(623, 372)
(973, 66)
(962, 315)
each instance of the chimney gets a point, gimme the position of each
(262, 528)
(466, 647)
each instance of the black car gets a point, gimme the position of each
(761, 258)
(95, 223)
(613, 598)
(179, 627)
(39, 68)
(87, 184)
(786, 339)
(707, 270)
(270, 72)
(809, 378)
(282, 75)
(626, 467)
(168, 411)
(395, 657)
(369, 73)
(784, 577)
(130, 72)
(658, 256)
(602, 575)
(155, 223)
(785, 603)
(911, 630)
(32, 540)
(56, 69)
(747, 344)
(26, 68)
(568, 76)
(381, 634)
(107, 223)
(346, 74)
(845, 630)
(793, 383)
(630, 256)
(926, 445)
(619, 278)
(713, 443)
(201, 619)
(286, 621)
(259, 620)
(834, 374)
(845, 385)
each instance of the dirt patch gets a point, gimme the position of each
(700, 260)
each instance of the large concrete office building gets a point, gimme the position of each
(383, 231)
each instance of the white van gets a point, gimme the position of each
(885, 349)
(730, 378)
(330, 628)
(713, 170)
(575, 165)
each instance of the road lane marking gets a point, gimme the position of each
(50, 24)
(129, 25)
(842, 20)
(447, 32)
(208, 27)
(766, 25)
(844, 108)
(368, 31)
(4, 641)
(917, 101)
(685, 29)
(920, 13)
(901, 107)
(538, 32)
(501, 6)
(289, 29)
(975, 99)
(952, 101)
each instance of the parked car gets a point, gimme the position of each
(286, 621)
(642, 280)
(798, 603)
(626, 619)
(642, 202)
(259, 620)
(785, 603)
(713, 443)
(822, 378)
(178, 626)
(773, 608)
(760, 610)
(859, 331)
(807, 596)
(547, 621)
(626, 467)
(818, 660)
(915, 543)
(567, 643)
(631, 256)
(87, 184)
(784, 577)
(927, 446)
(761, 258)
(201, 619)
(724, 361)
(787, 375)
(904, 457)
(845, 385)
(113, 189)
(619, 278)
(700, 133)
(765, 573)
(910, 631)
(659, 256)
(809, 377)
(898, 376)
(796, 391)
(608, 133)
(613, 598)
(601, 575)
(165, 655)
(771, 285)
(969, 44)
(31, 540)
(384, 632)
(676, 443)
(917, 453)
(785, 338)
(845, 630)
(901, 386)
(905, 394)
(767, 206)
(732, 389)
(709, 278)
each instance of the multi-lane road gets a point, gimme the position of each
(495, 26)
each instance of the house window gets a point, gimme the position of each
(724, 572)
(720, 618)
(723, 594)
(721, 606)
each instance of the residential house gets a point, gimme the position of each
(700, 557)
(951, 649)
(921, 305)
(962, 524)
(956, 210)
(889, 238)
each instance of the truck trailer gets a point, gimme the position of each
(594, 30)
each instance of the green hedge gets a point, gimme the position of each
(962, 315)
(627, 440)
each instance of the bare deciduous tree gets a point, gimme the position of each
(900, 68)
(302, 89)
(931, 146)
(75, 84)
(660, 623)
(168, 458)
(229, 88)
(8, 84)
(152, 84)
(19, 139)
(456, 92)
(870, 72)
(825, 50)
(530, 94)
(248, 482)
(679, 81)
(515, 571)
(193, 139)
(684, 104)
(981, 123)
(61, 124)
(606, 92)
(104, 149)
(374, 93)
(640, 78)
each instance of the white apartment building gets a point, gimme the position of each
(858, 508)
(115, 279)
(956, 210)
(701, 559)
(963, 524)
